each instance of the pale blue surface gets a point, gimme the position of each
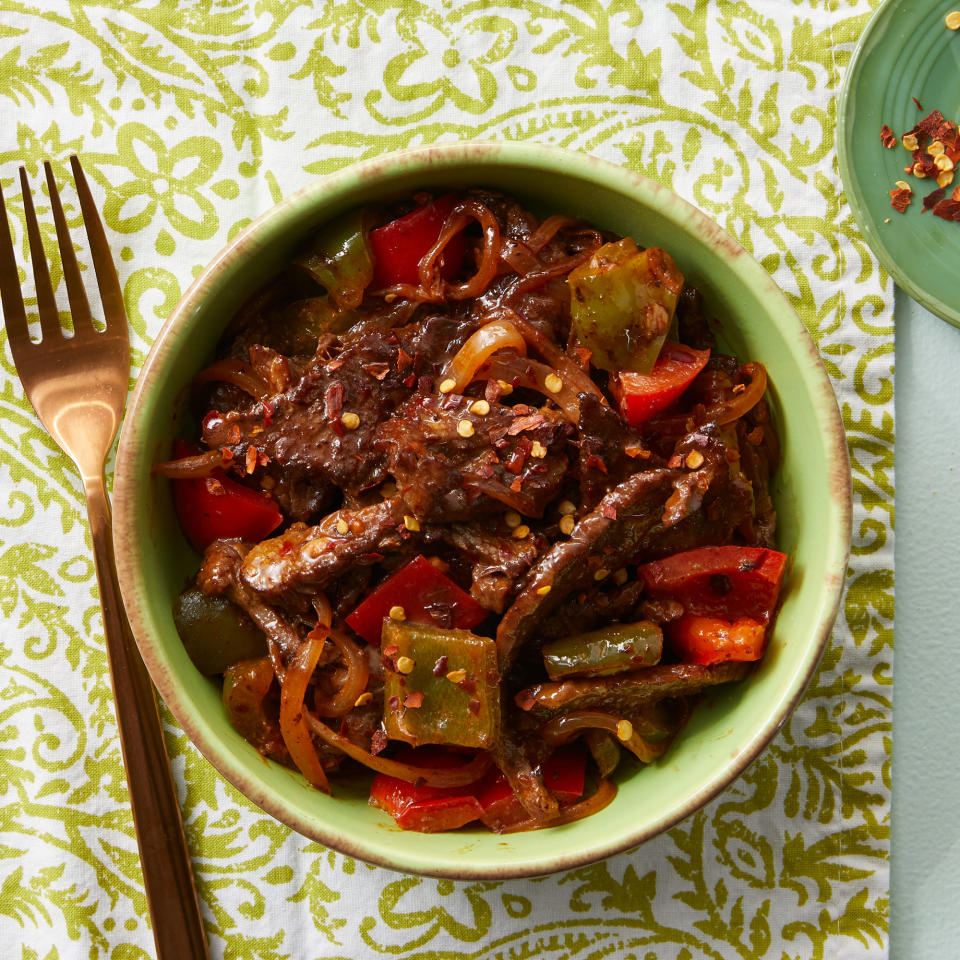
(925, 883)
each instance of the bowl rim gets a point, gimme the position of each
(556, 162)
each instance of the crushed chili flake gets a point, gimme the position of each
(214, 487)
(595, 463)
(609, 511)
(917, 102)
(887, 138)
(404, 359)
(900, 199)
(235, 433)
(414, 700)
(525, 423)
(492, 391)
(932, 199)
(474, 707)
(251, 461)
(378, 742)
(440, 667)
(226, 455)
(268, 412)
(333, 401)
(948, 210)
(394, 702)
(391, 650)
(525, 700)
(755, 436)
(377, 370)
(517, 485)
(675, 461)
(285, 547)
(467, 685)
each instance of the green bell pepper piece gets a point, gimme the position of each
(338, 258)
(451, 692)
(215, 633)
(614, 649)
(622, 302)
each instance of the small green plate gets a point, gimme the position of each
(906, 51)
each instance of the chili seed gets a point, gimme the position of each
(398, 613)
(405, 665)
(505, 388)
(909, 140)
(480, 407)
(411, 523)
(953, 20)
(343, 527)
(538, 450)
(620, 576)
(566, 507)
(447, 385)
(567, 524)
(465, 428)
(350, 420)
(513, 519)
(694, 459)
(601, 574)
(364, 698)
(520, 532)
(544, 590)
(903, 185)
(624, 730)
(457, 676)
(553, 383)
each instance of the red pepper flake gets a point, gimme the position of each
(525, 700)
(209, 418)
(609, 511)
(226, 455)
(285, 547)
(493, 678)
(394, 703)
(333, 401)
(596, 463)
(334, 365)
(467, 685)
(917, 102)
(474, 707)
(410, 381)
(378, 742)
(517, 485)
(391, 651)
(414, 700)
(251, 459)
(948, 210)
(932, 199)
(515, 463)
(900, 199)
(675, 461)
(492, 391)
(377, 370)
(234, 434)
(214, 487)
(887, 138)
(440, 667)
(268, 412)
(525, 423)
(484, 471)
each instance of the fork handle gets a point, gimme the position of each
(167, 875)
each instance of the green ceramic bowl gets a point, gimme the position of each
(812, 495)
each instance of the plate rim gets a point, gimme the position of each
(866, 224)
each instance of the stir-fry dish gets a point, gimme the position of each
(481, 507)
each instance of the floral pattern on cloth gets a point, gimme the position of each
(193, 116)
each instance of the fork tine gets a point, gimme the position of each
(79, 306)
(110, 293)
(14, 314)
(47, 306)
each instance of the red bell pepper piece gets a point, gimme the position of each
(730, 582)
(426, 595)
(220, 510)
(711, 640)
(642, 395)
(422, 808)
(399, 246)
(563, 773)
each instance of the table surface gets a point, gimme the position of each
(925, 882)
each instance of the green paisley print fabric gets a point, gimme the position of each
(192, 117)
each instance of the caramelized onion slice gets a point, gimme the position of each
(355, 682)
(293, 725)
(490, 338)
(744, 402)
(198, 465)
(563, 729)
(431, 776)
(237, 372)
(522, 372)
(601, 797)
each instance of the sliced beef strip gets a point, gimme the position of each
(625, 692)
(303, 558)
(220, 574)
(499, 560)
(448, 477)
(592, 608)
(300, 431)
(604, 539)
(603, 437)
(759, 456)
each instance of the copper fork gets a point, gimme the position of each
(78, 386)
